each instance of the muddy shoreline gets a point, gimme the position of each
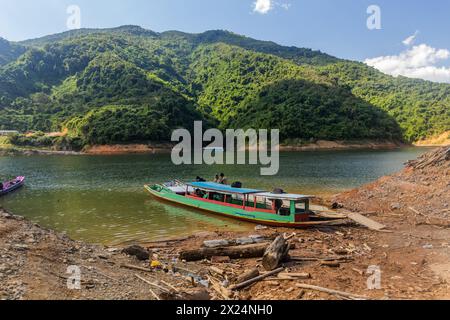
(412, 254)
(165, 148)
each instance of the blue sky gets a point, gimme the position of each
(337, 27)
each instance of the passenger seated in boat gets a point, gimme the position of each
(223, 179)
(199, 193)
(278, 206)
(200, 179)
(217, 179)
(217, 197)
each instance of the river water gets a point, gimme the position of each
(100, 199)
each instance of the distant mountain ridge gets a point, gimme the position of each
(129, 30)
(212, 36)
(111, 77)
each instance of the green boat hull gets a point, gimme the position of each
(257, 217)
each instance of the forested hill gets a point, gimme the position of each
(9, 51)
(131, 84)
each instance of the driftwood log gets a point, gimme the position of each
(237, 252)
(434, 158)
(275, 253)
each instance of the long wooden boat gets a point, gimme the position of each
(251, 205)
(10, 186)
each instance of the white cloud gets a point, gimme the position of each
(263, 6)
(417, 62)
(411, 39)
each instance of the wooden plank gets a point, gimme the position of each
(369, 223)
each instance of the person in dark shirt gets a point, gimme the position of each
(223, 179)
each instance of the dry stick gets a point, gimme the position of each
(248, 275)
(415, 211)
(331, 291)
(153, 284)
(154, 294)
(290, 236)
(294, 276)
(151, 291)
(129, 266)
(259, 278)
(170, 286)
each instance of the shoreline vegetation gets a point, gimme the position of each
(319, 145)
(163, 148)
(60, 143)
(331, 262)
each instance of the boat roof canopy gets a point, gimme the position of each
(284, 196)
(211, 186)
